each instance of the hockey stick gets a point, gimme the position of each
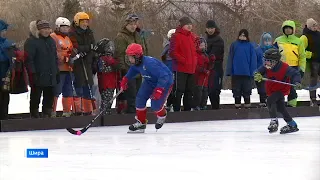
(83, 130)
(310, 88)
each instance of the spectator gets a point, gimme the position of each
(167, 60)
(202, 73)
(42, 64)
(107, 74)
(311, 40)
(265, 44)
(10, 82)
(83, 41)
(64, 50)
(127, 35)
(242, 62)
(293, 52)
(183, 52)
(215, 50)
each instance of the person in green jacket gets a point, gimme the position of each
(293, 53)
(127, 35)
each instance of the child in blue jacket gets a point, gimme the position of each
(157, 84)
(265, 44)
(242, 62)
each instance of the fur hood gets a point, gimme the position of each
(33, 29)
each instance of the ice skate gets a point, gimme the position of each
(137, 127)
(289, 128)
(273, 126)
(160, 122)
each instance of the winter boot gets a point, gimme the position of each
(289, 128)
(46, 112)
(54, 107)
(237, 102)
(313, 103)
(273, 126)
(247, 102)
(34, 113)
(138, 127)
(263, 101)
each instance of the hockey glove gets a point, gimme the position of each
(124, 83)
(258, 77)
(157, 93)
(298, 86)
(308, 54)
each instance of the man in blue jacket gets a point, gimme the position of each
(157, 85)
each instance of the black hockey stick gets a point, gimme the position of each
(310, 88)
(83, 130)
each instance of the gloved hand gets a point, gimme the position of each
(308, 54)
(212, 58)
(157, 93)
(258, 77)
(298, 86)
(124, 83)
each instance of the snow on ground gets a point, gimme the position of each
(20, 103)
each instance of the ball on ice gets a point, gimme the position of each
(79, 133)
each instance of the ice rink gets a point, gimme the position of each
(217, 150)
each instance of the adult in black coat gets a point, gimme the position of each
(83, 42)
(42, 65)
(215, 50)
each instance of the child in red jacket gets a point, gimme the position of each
(201, 76)
(107, 74)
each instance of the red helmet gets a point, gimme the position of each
(134, 50)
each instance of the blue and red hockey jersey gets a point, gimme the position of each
(153, 71)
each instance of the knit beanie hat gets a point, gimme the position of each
(3, 25)
(211, 24)
(42, 24)
(311, 22)
(184, 21)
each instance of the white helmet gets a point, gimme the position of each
(61, 21)
(172, 31)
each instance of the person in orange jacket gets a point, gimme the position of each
(64, 49)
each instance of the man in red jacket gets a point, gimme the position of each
(184, 55)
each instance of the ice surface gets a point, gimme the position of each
(218, 150)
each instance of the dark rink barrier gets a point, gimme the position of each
(27, 124)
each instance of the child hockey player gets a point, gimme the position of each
(202, 74)
(157, 84)
(107, 73)
(275, 69)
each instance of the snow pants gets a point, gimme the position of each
(315, 72)
(275, 103)
(65, 85)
